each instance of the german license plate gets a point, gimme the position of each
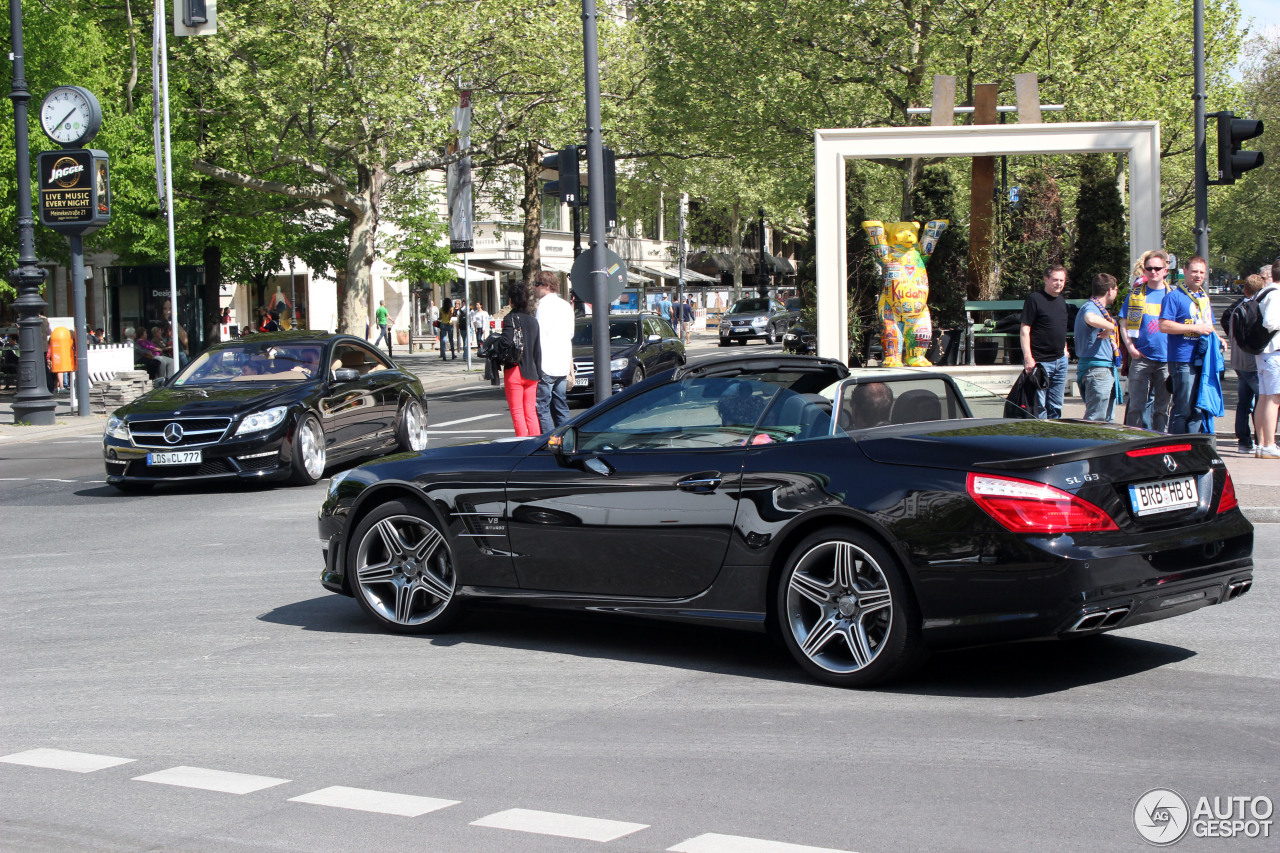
(740, 331)
(175, 457)
(580, 382)
(1164, 496)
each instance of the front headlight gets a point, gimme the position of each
(117, 428)
(619, 364)
(759, 321)
(336, 480)
(259, 421)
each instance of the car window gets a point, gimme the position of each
(869, 404)
(692, 413)
(360, 359)
(664, 328)
(795, 303)
(254, 362)
(624, 331)
(750, 306)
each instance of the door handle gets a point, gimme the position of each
(700, 484)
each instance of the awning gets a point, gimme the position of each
(563, 265)
(777, 265)
(474, 274)
(710, 263)
(661, 271)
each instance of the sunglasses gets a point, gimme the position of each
(1155, 269)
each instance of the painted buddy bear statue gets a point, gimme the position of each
(903, 305)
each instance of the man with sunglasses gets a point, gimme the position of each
(1187, 319)
(1148, 347)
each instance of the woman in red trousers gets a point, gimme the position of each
(521, 378)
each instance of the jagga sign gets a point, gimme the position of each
(75, 190)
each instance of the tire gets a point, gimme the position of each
(768, 336)
(400, 569)
(638, 376)
(411, 427)
(307, 459)
(846, 612)
(724, 342)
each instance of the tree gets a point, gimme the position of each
(1033, 238)
(1102, 234)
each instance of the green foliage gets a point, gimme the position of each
(418, 242)
(1102, 234)
(1033, 235)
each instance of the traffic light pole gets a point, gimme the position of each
(595, 212)
(1202, 165)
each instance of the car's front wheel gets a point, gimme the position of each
(412, 431)
(308, 458)
(845, 610)
(768, 336)
(400, 569)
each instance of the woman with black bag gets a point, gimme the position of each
(521, 370)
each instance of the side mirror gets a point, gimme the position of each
(563, 443)
(346, 374)
(653, 339)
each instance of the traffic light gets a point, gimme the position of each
(1232, 132)
(195, 13)
(565, 164)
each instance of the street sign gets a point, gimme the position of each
(615, 270)
(75, 190)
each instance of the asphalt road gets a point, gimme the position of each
(187, 629)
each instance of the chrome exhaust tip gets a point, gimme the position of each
(1238, 589)
(1115, 616)
(1088, 622)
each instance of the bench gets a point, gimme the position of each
(1012, 346)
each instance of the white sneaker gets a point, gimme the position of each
(1271, 452)
(1248, 449)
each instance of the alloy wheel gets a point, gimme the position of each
(839, 608)
(403, 571)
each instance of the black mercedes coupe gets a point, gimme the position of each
(282, 405)
(866, 518)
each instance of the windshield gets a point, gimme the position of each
(625, 331)
(795, 303)
(254, 362)
(750, 306)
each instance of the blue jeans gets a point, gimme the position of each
(384, 333)
(1185, 417)
(1049, 401)
(1098, 387)
(553, 405)
(1147, 382)
(1246, 395)
(446, 333)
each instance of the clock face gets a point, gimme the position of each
(70, 115)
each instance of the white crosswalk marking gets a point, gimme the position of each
(211, 780)
(381, 802)
(61, 759)
(474, 418)
(563, 825)
(713, 843)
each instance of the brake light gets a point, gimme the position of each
(1156, 451)
(1024, 506)
(1228, 500)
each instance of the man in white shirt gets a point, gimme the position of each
(555, 331)
(1267, 409)
(480, 322)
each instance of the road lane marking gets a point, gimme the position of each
(61, 759)
(508, 431)
(382, 802)
(469, 420)
(211, 780)
(714, 843)
(562, 825)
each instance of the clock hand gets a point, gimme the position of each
(69, 114)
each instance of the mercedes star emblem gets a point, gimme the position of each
(1169, 463)
(173, 434)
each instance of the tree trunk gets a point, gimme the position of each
(913, 169)
(531, 204)
(353, 312)
(735, 228)
(212, 291)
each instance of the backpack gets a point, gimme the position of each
(1247, 330)
(505, 351)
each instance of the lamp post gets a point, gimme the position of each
(33, 403)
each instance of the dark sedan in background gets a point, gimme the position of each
(756, 318)
(865, 518)
(640, 345)
(272, 406)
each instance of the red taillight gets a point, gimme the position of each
(1228, 500)
(1024, 506)
(1156, 451)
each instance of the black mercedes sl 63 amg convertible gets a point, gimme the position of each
(274, 406)
(866, 517)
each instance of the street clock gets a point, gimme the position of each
(70, 116)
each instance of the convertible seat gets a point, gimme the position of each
(916, 406)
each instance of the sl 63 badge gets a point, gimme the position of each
(1084, 478)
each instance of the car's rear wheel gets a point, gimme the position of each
(412, 430)
(768, 336)
(308, 458)
(400, 569)
(845, 611)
